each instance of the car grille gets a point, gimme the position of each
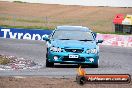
(80, 59)
(74, 50)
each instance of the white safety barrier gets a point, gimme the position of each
(116, 40)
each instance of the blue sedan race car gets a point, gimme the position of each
(72, 45)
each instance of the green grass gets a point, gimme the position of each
(22, 20)
(60, 22)
(4, 18)
(19, 2)
(27, 27)
(4, 61)
(30, 21)
(47, 28)
(44, 21)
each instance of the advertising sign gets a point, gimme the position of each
(14, 33)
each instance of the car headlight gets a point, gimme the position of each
(94, 51)
(55, 49)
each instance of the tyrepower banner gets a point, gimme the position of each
(116, 40)
(30, 34)
(36, 34)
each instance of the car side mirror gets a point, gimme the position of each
(95, 34)
(99, 41)
(46, 38)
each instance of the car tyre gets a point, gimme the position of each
(96, 65)
(49, 64)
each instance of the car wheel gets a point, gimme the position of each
(47, 53)
(49, 64)
(96, 65)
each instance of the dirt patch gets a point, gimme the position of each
(45, 15)
(15, 63)
(43, 82)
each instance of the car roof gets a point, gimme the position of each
(73, 28)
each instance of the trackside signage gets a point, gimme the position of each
(36, 34)
(23, 33)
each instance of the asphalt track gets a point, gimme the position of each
(113, 60)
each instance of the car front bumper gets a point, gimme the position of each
(63, 57)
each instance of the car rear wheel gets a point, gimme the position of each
(49, 64)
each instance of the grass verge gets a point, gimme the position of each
(51, 28)
(27, 27)
(19, 2)
(4, 60)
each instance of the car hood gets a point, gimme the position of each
(73, 44)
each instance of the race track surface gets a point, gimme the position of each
(113, 60)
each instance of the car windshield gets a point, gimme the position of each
(73, 35)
